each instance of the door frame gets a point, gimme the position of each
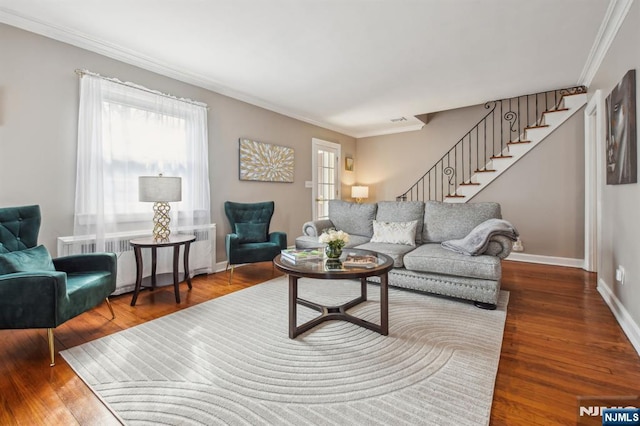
(317, 144)
(594, 139)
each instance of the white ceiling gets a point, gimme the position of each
(347, 65)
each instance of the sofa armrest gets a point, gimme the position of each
(87, 262)
(499, 246)
(315, 227)
(32, 299)
(279, 238)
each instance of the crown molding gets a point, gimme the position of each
(137, 59)
(614, 17)
(393, 131)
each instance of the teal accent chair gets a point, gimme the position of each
(250, 240)
(39, 292)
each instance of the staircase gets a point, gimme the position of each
(510, 129)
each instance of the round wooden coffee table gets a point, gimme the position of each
(326, 269)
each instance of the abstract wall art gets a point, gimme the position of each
(621, 145)
(265, 162)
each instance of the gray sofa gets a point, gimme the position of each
(424, 265)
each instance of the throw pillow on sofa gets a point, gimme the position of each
(402, 211)
(395, 232)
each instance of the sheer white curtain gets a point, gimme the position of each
(126, 131)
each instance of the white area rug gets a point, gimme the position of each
(230, 361)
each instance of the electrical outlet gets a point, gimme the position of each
(620, 275)
(517, 245)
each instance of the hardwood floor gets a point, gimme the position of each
(560, 342)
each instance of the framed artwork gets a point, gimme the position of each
(265, 162)
(621, 145)
(348, 164)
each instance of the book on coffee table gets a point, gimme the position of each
(360, 261)
(300, 255)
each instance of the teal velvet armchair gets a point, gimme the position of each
(250, 240)
(39, 292)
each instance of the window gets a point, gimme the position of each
(124, 132)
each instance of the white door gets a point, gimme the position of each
(326, 176)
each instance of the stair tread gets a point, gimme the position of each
(469, 183)
(536, 127)
(484, 170)
(497, 157)
(555, 110)
(517, 142)
(455, 196)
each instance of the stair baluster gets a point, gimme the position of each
(514, 117)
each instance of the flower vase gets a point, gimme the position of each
(333, 251)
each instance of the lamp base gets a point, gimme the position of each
(161, 221)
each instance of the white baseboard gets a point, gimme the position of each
(220, 266)
(546, 260)
(629, 326)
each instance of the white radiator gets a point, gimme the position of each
(201, 254)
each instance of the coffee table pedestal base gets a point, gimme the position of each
(330, 313)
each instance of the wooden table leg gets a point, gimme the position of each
(176, 262)
(154, 264)
(293, 306)
(384, 304)
(363, 288)
(187, 276)
(138, 256)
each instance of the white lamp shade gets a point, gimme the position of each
(359, 192)
(159, 188)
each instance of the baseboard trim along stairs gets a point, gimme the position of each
(516, 149)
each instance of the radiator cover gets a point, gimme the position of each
(201, 255)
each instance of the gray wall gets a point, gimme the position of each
(38, 136)
(542, 194)
(621, 203)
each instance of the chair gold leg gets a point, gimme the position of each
(231, 275)
(51, 346)
(113, 314)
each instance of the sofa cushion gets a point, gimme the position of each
(395, 251)
(402, 211)
(29, 260)
(394, 232)
(434, 258)
(453, 221)
(353, 218)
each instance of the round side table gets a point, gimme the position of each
(175, 241)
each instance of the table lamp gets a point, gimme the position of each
(160, 190)
(359, 193)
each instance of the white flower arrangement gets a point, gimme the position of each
(334, 238)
